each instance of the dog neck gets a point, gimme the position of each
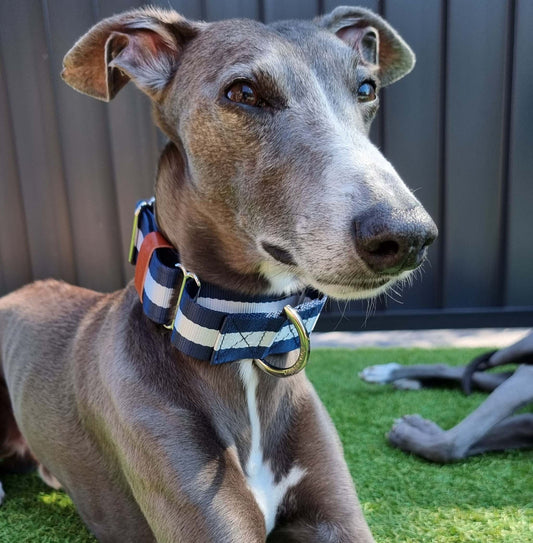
(210, 323)
(203, 230)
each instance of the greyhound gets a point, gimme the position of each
(491, 427)
(268, 185)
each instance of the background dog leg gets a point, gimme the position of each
(388, 373)
(428, 375)
(425, 438)
(514, 433)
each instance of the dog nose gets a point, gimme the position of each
(394, 241)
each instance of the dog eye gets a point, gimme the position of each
(366, 92)
(243, 93)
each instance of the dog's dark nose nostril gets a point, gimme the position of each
(386, 249)
(381, 252)
(392, 243)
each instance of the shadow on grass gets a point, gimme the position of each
(34, 513)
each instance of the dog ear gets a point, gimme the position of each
(377, 43)
(143, 45)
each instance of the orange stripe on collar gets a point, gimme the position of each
(151, 242)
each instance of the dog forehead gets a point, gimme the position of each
(234, 39)
(321, 50)
(286, 45)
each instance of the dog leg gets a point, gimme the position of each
(48, 478)
(320, 532)
(426, 375)
(513, 433)
(225, 510)
(425, 438)
(324, 506)
(389, 373)
(15, 455)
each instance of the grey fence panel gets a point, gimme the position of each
(296, 9)
(476, 75)
(35, 133)
(413, 132)
(193, 9)
(374, 5)
(85, 146)
(15, 264)
(519, 276)
(215, 9)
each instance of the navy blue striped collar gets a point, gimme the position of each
(207, 322)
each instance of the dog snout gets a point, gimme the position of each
(391, 242)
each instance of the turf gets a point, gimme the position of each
(485, 499)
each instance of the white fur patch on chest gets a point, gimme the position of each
(258, 471)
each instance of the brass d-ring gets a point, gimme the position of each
(305, 348)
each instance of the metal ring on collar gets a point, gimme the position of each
(305, 348)
(186, 276)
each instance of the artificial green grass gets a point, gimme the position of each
(485, 499)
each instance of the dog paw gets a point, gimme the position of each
(420, 436)
(2, 494)
(419, 423)
(381, 373)
(407, 384)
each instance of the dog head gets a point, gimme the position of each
(269, 182)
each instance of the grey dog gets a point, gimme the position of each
(269, 184)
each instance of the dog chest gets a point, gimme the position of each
(258, 471)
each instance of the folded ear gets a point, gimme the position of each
(143, 45)
(376, 41)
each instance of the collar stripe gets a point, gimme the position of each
(158, 294)
(246, 307)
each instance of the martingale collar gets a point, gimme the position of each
(208, 322)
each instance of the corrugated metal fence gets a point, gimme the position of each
(459, 130)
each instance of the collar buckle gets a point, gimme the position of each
(134, 231)
(186, 276)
